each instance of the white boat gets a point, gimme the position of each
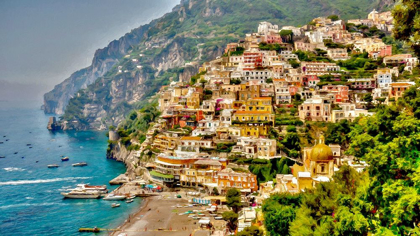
(82, 194)
(115, 205)
(80, 164)
(113, 197)
(102, 189)
(53, 166)
(129, 201)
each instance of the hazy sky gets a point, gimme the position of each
(43, 41)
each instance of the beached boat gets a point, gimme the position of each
(53, 166)
(65, 159)
(80, 164)
(113, 197)
(115, 205)
(77, 194)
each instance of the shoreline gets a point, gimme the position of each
(130, 220)
(163, 215)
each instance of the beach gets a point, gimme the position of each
(159, 215)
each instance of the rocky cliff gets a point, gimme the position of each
(126, 73)
(56, 100)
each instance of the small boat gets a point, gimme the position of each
(7, 140)
(115, 205)
(80, 164)
(65, 159)
(129, 201)
(113, 197)
(30, 147)
(1, 142)
(53, 166)
(16, 152)
(2, 157)
(23, 157)
(28, 144)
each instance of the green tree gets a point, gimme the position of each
(279, 211)
(406, 23)
(333, 17)
(251, 231)
(232, 219)
(233, 199)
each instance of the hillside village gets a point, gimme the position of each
(251, 105)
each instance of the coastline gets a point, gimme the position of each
(161, 215)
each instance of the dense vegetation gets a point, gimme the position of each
(384, 199)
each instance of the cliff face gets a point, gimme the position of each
(130, 70)
(120, 153)
(56, 100)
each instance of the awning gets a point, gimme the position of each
(204, 222)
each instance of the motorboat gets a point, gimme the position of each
(113, 197)
(2, 157)
(115, 205)
(53, 166)
(80, 164)
(129, 201)
(78, 194)
(16, 152)
(28, 144)
(65, 159)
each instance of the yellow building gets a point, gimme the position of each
(193, 101)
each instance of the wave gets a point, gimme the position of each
(39, 181)
(9, 169)
(32, 204)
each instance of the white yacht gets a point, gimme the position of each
(113, 197)
(82, 194)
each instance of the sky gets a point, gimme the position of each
(42, 42)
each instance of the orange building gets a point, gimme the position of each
(227, 178)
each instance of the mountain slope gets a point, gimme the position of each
(172, 47)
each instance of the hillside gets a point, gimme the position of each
(134, 67)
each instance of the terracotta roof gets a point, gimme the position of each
(262, 98)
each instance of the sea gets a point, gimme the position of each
(30, 199)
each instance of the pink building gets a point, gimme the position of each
(252, 60)
(341, 92)
(272, 38)
(310, 80)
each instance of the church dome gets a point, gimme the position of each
(321, 152)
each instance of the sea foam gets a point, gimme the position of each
(9, 169)
(32, 204)
(39, 181)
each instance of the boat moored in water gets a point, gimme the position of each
(115, 205)
(80, 164)
(102, 189)
(78, 194)
(113, 197)
(65, 159)
(53, 166)
(129, 201)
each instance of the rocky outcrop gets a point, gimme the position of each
(120, 153)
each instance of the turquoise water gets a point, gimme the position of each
(30, 200)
